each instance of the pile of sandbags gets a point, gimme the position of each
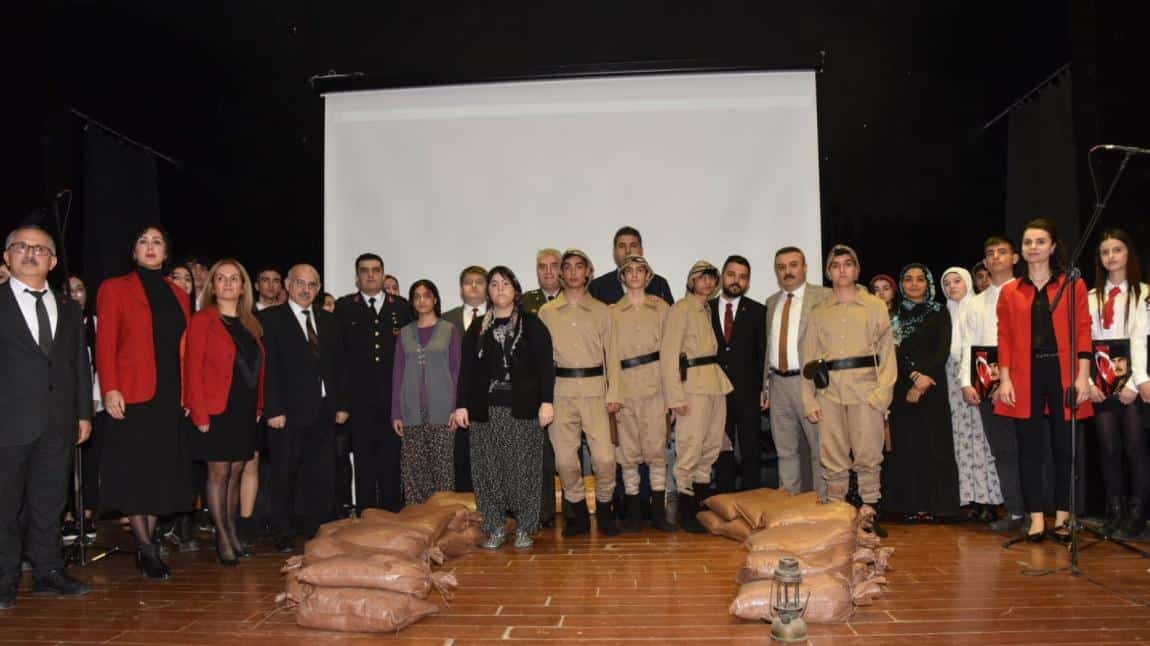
(839, 556)
(374, 574)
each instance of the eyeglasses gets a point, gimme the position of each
(33, 249)
(299, 282)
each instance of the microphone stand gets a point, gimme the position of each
(1073, 273)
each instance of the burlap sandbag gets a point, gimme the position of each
(360, 610)
(829, 600)
(411, 543)
(729, 505)
(802, 539)
(327, 529)
(431, 521)
(804, 508)
(379, 571)
(452, 498)
(466, 541)
(322, 547)
(736, 529)
(761, 565)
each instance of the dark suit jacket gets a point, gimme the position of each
(42, 394)
(742, 358)
(369, 346)
(608, 289)
(294, 374)
(454, 316)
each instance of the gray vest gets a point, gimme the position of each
(430, 365)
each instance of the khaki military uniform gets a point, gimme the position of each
(699, 434)
(855, 403)
(581, 338)
(642, 421)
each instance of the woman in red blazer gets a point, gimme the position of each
(143, 316)
(1038, 367)
(225, 377)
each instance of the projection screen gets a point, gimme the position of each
(434, 179)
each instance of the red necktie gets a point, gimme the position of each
(1108, 308)
(474, 314)
(728, 323)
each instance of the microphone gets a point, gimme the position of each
(63, 192)
(1129, 150)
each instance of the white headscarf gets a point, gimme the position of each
(956, 308)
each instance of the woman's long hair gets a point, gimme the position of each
(245, 303)
(1133, 272)
(1058, 258)
(429, 286)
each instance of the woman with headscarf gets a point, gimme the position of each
(978, 488)
(920, 479)
(883, 286)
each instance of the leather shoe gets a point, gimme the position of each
(1007, 525)
(1036, 538)
(7, 595)
(57, 582)
(285, 544)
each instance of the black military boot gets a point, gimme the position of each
(605, 516)
(688, 506)
(580, 520)
(659, 512)
(633, 521)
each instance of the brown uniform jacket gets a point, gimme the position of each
(687, 330)
(839, 330)
(580, 338)
(638, 331)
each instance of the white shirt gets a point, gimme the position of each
(261, 307)
(979, 326)
(468, 316)
(379, 298)
(302, 320)
(792, 349)
(27, 303)
(1135, 329)
(723, 303)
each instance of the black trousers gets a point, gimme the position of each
(1046, 391)
(343, 473)
(1003, 440)
(745, 430)
(1124, 449)
(462, 456)
(34, 479)
(302, 473)
(377, 451)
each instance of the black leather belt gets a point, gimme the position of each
(852, 362)
(642, 360)
(785, 373)
(685, 363)
(574, 373)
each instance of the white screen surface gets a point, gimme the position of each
(704, 165)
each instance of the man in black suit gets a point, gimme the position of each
(46, 405)
(739, 324)
(607, 288)
(369, 322)
(305, 391)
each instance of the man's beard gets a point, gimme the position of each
(727, 291)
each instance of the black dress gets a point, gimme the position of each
(144, 463)
(231, 435)
(920, 474)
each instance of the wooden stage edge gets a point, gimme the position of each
(951, 584)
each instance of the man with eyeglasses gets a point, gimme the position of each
(305, 392)
(370, 322)
(46, 406)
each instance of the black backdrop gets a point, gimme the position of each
(907, 172)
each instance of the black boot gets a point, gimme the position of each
(1135, 521)
(1115, 508)
(633, 521)
(687, 508)
(659, 512)
(580, 520)
(605, 516)
(149, 563)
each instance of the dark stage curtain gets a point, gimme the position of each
(120, 196)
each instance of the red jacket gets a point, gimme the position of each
(125, 353)
(1014, 349)
(208, 369)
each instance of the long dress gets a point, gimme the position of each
(919, 474)
(145, 462)
(977, 473)
(231, 435)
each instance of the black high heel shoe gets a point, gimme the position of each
(149, 563)
(232, 562)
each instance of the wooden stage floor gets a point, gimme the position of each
(951, 584)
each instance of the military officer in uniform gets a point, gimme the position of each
(370, 323)
(580, 329)
(695, 389)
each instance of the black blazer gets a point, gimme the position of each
(609, 290)
(42, 394)
(292, 384)
(369, 346)
(532, 371)
(742, 358)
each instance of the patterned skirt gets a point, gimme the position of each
(506, 460)
(427, 461)
(977, 473)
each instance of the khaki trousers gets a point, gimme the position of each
(587, 416)
(642, 425)
(788, 426)
(848, 428)
(698, 439)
